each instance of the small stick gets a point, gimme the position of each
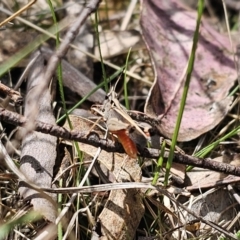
(14, 95)
(17, 13)
(70, 36)
(108, 145)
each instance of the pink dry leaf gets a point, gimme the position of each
(168, 29)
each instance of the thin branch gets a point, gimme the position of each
(70, 36)
(110, 146)
(17, 13)
(65, 44)
(84, 136)
(14, 95)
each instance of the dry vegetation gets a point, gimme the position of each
(115, 195)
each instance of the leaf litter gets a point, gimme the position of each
(168, 35)
(209, 92)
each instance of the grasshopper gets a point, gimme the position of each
(119, 123)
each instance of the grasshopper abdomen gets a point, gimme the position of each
(120, 129)
(127, 143)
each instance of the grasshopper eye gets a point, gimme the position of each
(108, 96)
(153, 131)
(131, 129)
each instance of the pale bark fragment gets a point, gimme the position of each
(38, 149)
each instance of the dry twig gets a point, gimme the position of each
(108, 145)
(14, 95)
(70, 36)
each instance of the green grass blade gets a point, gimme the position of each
(60, 83)
(5, 228)
(159, 163)
(17, 57)
(125, 82)
(185, 90)
(100, 53)
(91, 92)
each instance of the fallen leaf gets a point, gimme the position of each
(114, 43)
(168, 34)
(203, 178)
(38, 154)
(214, 205)
(124, 208)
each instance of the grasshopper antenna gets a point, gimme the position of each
(112, 93)
(115, 85)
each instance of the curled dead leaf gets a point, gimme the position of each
(168, 35)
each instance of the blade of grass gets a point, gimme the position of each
(100, 52)
(62, 25)
(159, 164)
(203, 152)
(60, 84)
(185, 91)
(17, 57)
(125, 82)
(7, 227)
(91, 92)
(61, 90)
(60, 77)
